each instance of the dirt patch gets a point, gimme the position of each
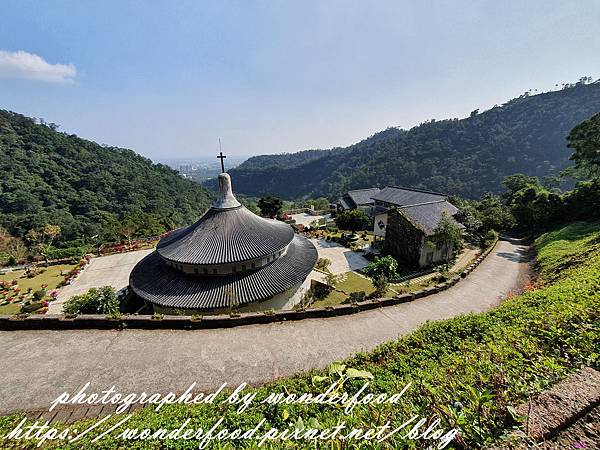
(565, 416)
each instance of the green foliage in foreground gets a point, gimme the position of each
(470, 370)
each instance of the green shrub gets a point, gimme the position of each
(66, 253)
(39, 295)
(490, 237)
(323, 264)
(386, 266)
(95, 301)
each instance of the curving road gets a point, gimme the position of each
(36, 366)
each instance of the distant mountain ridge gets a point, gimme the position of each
(467, 156)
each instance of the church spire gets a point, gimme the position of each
(225, 199)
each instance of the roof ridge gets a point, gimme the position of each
(425, 203)
(417, 190)
(364, 189)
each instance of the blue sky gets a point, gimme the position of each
(168, 79)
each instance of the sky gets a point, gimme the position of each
(168, 79)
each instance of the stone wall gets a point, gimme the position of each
(403, 240)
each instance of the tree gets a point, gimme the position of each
(80, 186)
(386, 266)
(250, 205)
(323, 264)
(447, 233)
(380, 283)
(331, 280)
(494, 214)
(128, 228)
(319, 204)
(16, 249)
(353, 220)
(517, 182)
(41, 239)
(270, 206)
(584, 139)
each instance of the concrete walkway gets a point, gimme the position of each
(342, 258)
(39, 365)
(111, 270)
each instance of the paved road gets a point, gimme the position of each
(36, 366)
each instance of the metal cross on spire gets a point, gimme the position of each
(221, 157)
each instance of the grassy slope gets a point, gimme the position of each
(487, 362)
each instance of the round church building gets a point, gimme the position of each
(229, 259)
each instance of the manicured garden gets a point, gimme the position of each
(471, 371)
(20, 289)
(352, 282)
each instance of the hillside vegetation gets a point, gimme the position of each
(466, 157)
(471, 370)
(49, 177)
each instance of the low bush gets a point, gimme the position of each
(39, 295)
(95, 301)
(66, 253)
(488, 240)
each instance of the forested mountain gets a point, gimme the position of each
(49, 177)
(466, 157)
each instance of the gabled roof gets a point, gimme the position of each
(401, 196)
(363, 196)
(427, 216)
(344, 203)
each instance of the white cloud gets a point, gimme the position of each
(30, 66)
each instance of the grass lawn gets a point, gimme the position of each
(51, 277)
(352, 283)
(10, 309)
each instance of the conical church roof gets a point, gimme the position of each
(229, 253)
(228, 232)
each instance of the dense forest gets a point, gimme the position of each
(86, 189)
(466, 157)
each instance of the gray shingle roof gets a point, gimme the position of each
(224, 236)
(158, 283)
(344, 203)
(427, 216)
(404, 196)
(363, 196)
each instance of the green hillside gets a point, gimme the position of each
(471, 371)
(53, 177)
(466, 157)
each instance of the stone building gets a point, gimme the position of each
(230, 258)
(406, 218)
